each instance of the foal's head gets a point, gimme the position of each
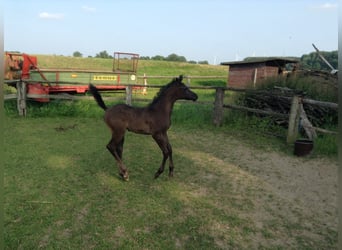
(181, 91)
(174, 91)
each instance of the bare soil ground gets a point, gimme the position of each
(305, 191)
(294, 198)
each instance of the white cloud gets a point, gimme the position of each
(46, 15)
(88, 9)
(326, 6)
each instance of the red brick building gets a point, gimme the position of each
(246, 74)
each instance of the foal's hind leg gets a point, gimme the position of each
(171, 167)
(163, 142)
(115, 147)
(119, 148)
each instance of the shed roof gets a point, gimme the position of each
(273, 60)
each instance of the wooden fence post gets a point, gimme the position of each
(129, 95)
(292, 131)
(21, 98)
(218, 107)
(306, 124)
(144, 91)
(188, 81)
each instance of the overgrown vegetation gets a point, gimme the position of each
(270, 96)
(316, 87)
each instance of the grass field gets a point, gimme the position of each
(66, 192)
(62, 189)
(148, 67)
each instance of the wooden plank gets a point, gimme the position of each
(331, 105)
(325, 131)
(10, 96)
(324, 60)
(129, 95)
(255, 76)
(257, 111)
(309, 129)
(292, 131)
(218, 107)
(21, 98)
(69, 97)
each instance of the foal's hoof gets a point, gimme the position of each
(156, 175)
(125, 176)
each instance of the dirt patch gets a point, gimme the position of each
(309, 183)
(290, 201)
(301, 198)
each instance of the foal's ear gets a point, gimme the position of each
(180, 78)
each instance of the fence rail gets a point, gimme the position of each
(218, 109)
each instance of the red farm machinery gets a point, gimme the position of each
(24, 67)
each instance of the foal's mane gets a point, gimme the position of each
(164, 89)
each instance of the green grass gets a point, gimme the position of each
(62, 189)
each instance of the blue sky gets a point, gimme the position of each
(212, 30)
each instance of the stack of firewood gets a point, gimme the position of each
(279, 99)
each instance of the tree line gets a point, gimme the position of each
(307, 61)
(171, 58)
(312, 60)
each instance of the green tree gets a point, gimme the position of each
(158, 58)
(175, 58)
(313, 61)
(203, 62)
(77, 54)
(103, 54)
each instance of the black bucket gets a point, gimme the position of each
(303, 147)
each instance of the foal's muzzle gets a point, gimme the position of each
(193, 96)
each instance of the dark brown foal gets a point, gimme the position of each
(155, 120)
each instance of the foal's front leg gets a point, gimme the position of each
(163, 143)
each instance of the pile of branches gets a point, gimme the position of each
(279, 99)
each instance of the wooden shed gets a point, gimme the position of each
(245, 74)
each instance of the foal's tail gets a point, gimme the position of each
(97, 96)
